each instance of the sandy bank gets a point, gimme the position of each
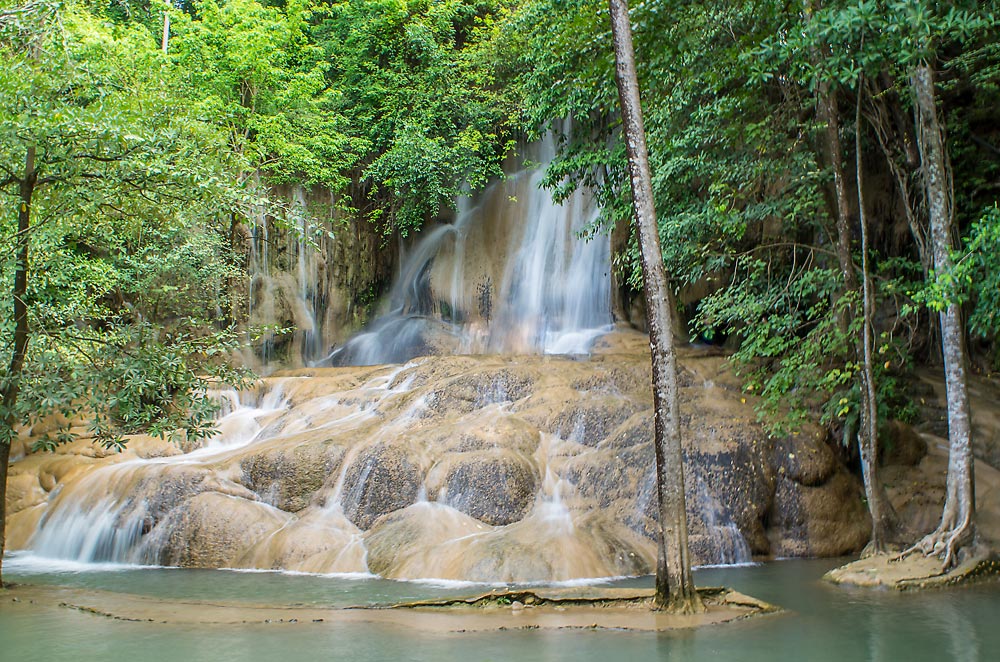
(618, 609)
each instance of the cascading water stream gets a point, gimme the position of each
(512, 274)
(307, 277)
(731, 547)
(555, 296)
(106, 515)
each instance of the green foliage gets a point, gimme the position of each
(839, 41)
(741, 182)
(133, 189)
(978, 271)
(128, 378)
(793, 349)
(255, 69)
(148, 161)
(984, 263)
(409, 83)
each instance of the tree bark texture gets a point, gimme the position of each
(957, 526)
(829, 115)
(675, 588)
(12, 380)
(885, 522)
(165, 41)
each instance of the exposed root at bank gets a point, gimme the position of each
(594, 598)
(910, 571)
(943, 543)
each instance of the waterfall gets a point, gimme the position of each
(514, 274)
(260, 301)
(307, 274)
(555, 296)
(288, 282)
(728, 545)
(518, 454)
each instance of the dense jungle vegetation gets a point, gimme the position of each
(787, 148)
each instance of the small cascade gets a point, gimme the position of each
(104, 516)
(728, 543)
(101, 527)
(403, 332)
(306, 257)
(290, 284)
(242, 420)
(261, 299)
(713, 536)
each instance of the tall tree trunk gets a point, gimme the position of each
(675, 588)
(165, 41)
(12, 381)
(878, 503)
(830, 117)
(957, 527)
(885, 522)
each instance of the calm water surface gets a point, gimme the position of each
(823, 622)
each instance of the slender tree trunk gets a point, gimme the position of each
(885, 522)
(957, 526)
(165, 42)
(830, 116)
(12, 381)
(675, 588)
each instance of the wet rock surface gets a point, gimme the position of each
(483, 468)
(382, 479)
(494, 486)
(211, 530)
(287, 477)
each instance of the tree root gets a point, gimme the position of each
(944, 542)
(875, 549)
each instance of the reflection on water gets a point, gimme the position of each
(823, 622)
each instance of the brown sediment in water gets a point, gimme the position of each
(587, 608)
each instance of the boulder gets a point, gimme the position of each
(494, 486)
(468, 392)
(590, 418)
(381, 479)
(211, 530)
(287, 476)
(805, 457)
(829, 519)
(902, 446)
